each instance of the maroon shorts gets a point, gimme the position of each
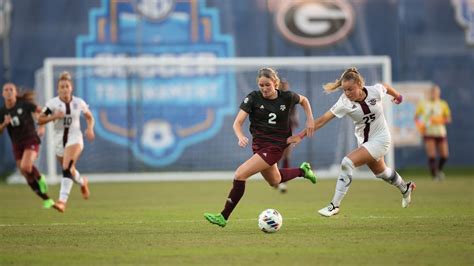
(437, 140)
(270, 154)
(29, 144)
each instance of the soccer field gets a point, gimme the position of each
(162, 223)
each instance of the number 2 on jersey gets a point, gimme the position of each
(272, 118)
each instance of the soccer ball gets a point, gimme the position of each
(270, 221)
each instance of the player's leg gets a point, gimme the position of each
(430, 148)
(250, 167)
(443, 149)
(356, 158)
(68, 161)
(35, 180)
(391, 176)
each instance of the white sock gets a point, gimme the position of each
(78, 179)
(343, 181)
(392, 177)
(66, 186)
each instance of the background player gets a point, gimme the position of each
(17, 117)
(269, 112)
(431, 118)
(363, 104)
(65, 111)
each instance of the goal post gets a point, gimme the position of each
(142, 106)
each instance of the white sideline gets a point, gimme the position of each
(173, 176)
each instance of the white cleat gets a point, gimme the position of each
(329, 211)
(406, 197)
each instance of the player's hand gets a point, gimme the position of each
(293, 140)
(310, 127)
(398, 99)
(59, 115)
(7, 119)
(90, 135)
(40, 130)
(243, 141)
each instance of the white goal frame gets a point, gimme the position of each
(341, 62)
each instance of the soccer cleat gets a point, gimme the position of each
(43, 186)
(47, 204)
(329, 211)
(283, 187)
(440, 176)
(406, 196)
(60, 206)
(216, 219)
(308, 173)
(85, 188)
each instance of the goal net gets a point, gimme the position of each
(170, 118)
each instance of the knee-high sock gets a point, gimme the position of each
(392, 177)
(78, 178)
(441, 163)
(343, 181)
(288, 174)
(66, 185)
(433, 166)
(35, 187)
(234, 197)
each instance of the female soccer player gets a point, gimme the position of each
(431, 118)
(363, 104)
(65, 111)
(269, 110)
(17, 117)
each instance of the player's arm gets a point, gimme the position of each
(237, 126)
(90, 125)
(318, 123)
(47, 116)
(37, 112)
(6, 121)
(309, 115)
(397, 97)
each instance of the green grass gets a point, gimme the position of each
(162, 223)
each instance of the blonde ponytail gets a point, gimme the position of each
(349, 74)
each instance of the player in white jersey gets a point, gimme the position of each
(363, 104)
(65, 110)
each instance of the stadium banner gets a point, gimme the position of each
(404, 132)
(156, 112)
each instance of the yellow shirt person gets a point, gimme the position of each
(432, 117)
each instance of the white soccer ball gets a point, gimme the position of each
(270, 221)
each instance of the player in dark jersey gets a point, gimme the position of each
(269, 113)
(17, 117)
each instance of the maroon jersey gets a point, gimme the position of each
(22, 126)
(270, 119)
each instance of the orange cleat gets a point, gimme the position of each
(85, 188)
(60, 206)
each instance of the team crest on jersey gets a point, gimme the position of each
(465, 17)
(246, 100)
(19, 111)
(282, 107)
(373, 101)
(157, 111)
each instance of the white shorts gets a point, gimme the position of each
(73, 138)
(377, 147)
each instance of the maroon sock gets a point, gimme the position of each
(234, 197)
(441, 163)
(35, 187)
(433, 166)
(290, 173)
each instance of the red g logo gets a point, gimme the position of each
(315, 22)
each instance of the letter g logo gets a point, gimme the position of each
(315, 22)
